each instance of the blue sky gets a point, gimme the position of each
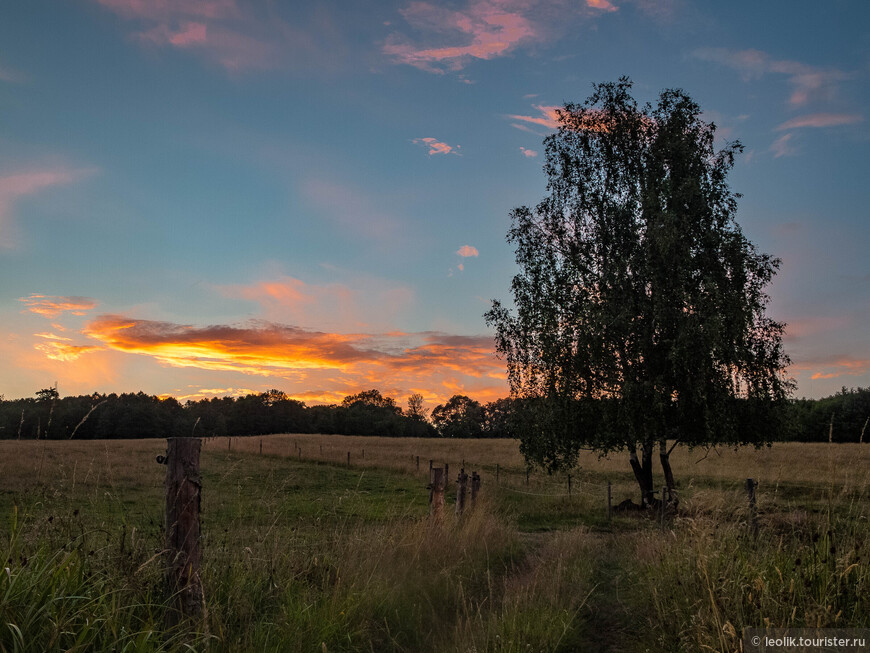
(203, 197)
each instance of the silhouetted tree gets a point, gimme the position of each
(638, 291)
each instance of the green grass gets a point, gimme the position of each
(312, 556)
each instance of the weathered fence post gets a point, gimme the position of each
(475, 487)
(436, 492)
(261, 445)
(446, 473)
(751, 484)
(348, 458)
(461, 490)
(418, 463)
(183, 495)
(569, 485)
(229, 443)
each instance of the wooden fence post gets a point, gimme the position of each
(446, 474)
(569, 485)
(348, 458)
(436, 492)
(261, 445)
(461, 490)
(229, 443)
(751, 484)
(475, 487)
(183, 495)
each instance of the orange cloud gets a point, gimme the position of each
(467, 250)
(333, 362)
(529, 154)
(843, 367)
(821, 120)
(435, 146)
(485, 30)
(50, 307)
(62, 351)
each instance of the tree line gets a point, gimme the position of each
(842, 417)
(139, 415)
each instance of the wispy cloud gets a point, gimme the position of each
(844, 366)
(821, 120)
(64, 351)
(484, 30)
(547, 117)
(27, 183)
(783, 146)
(237, 37)
(529, 154)
(808, 82)
(435, 146)
(51, 306)
(361, 302)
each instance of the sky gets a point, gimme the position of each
(215, 197)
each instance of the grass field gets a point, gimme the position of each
(303, 553)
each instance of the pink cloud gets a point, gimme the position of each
(467, 250)
(604, 5)
(486, 29)
(547, 117)
(529, 154)
(846, 366)
(808, 82)
(50, 306)
(783, 147)
(821, 120)
(435, 146)
(165, 10)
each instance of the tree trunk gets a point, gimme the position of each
(665, 459)
(643, 472)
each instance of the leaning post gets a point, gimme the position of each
(437, 481)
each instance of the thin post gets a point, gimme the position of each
(436, 492)
(527, 475)
(475, 487)
(430, 468)
(446, 473)
(261, 446)
(569, 485)
(418, 463)
(229, 443)
(348, 458)
(183, 495)
(461, 491)
(664, 492)
(751, 484)
(363, 454)
(609, 503)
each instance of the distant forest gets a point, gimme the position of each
(842, 417)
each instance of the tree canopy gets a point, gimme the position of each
(640, 303)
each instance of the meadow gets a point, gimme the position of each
(302, 552)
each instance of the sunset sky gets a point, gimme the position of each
(212, 197)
